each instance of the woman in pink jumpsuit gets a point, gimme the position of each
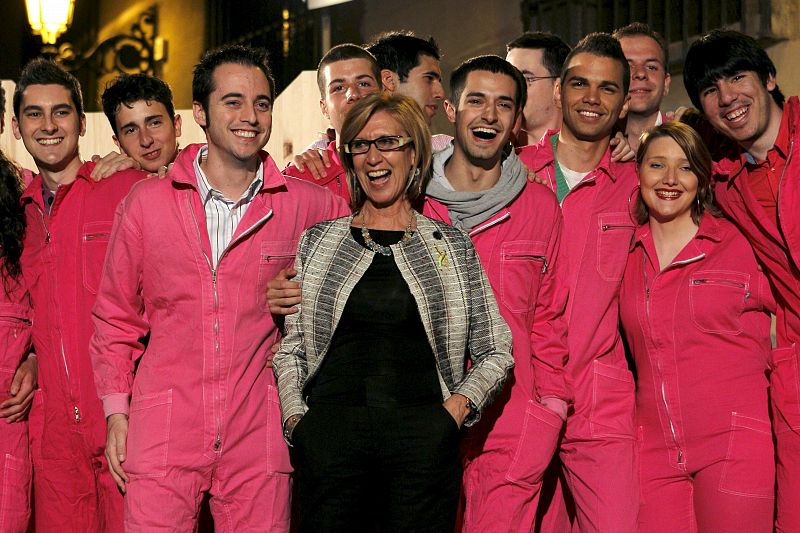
(15, 325)
(694, 309)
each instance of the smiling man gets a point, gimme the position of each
(345, 74)
(68, 223)
(188, 264)
(732, 80)
(481, 187)
(646, 52)
(140, 111)
(597, 449)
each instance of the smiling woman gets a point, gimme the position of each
(372, 373)
(694, 308)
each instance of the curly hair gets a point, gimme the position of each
(12, 222)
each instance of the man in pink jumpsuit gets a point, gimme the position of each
(345, 74)
(597, 451)
(732, 81)
(515, 226)
(68, 219)
(188, 263)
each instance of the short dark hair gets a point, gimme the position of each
(400, 51)
(601, 45)
(489, 63)
(343, 52)
(640, 29)
(203, 80)
(42, 71)
(128, 89)
(554, 49)
(720, 54)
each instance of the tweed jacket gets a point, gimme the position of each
(456, 304)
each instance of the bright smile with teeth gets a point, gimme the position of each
(733, 115)
(378, 174)
(668, 195)
(247, 134)
(48, 142)
(590, 114)
(486, 134)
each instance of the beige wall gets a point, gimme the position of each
(180, 22)
(296, 118)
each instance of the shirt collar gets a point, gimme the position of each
(781, 143)
(207, 191)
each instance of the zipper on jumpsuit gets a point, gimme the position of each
(725, 282)
(663, 387)
(47, 238)
(217, 421)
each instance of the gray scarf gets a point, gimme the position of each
(468, 209)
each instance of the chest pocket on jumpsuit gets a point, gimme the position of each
(273, 256)
(522, 264)
(717, 299)
(94, 243)
(615, 231)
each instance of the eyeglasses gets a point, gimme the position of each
(530, 80)
(388, 143)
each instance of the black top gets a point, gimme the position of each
(379, 354)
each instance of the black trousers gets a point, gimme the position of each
(366, 469)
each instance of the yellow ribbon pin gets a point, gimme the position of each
(443, 261)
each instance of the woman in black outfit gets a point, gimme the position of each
(372, 374)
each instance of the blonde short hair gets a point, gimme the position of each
(407, 113)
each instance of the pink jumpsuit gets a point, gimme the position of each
(597, 451)
(203, 408)
(508, 451)
(335, 179)
(61, 262)
(15, 462)
(699, 334)
(778, 250)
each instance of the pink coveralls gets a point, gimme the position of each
(778, 250)
(597, 451)
(15, 462)
(335, 179)
(699, 334)
(61, 262)
(203, 407)
(508, 451)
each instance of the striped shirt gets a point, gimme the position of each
(223, 215)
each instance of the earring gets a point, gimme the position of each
(415, 173)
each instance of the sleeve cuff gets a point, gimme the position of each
(116, 403)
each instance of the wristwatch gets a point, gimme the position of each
(288, 427)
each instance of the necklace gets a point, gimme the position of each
(379, 248)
